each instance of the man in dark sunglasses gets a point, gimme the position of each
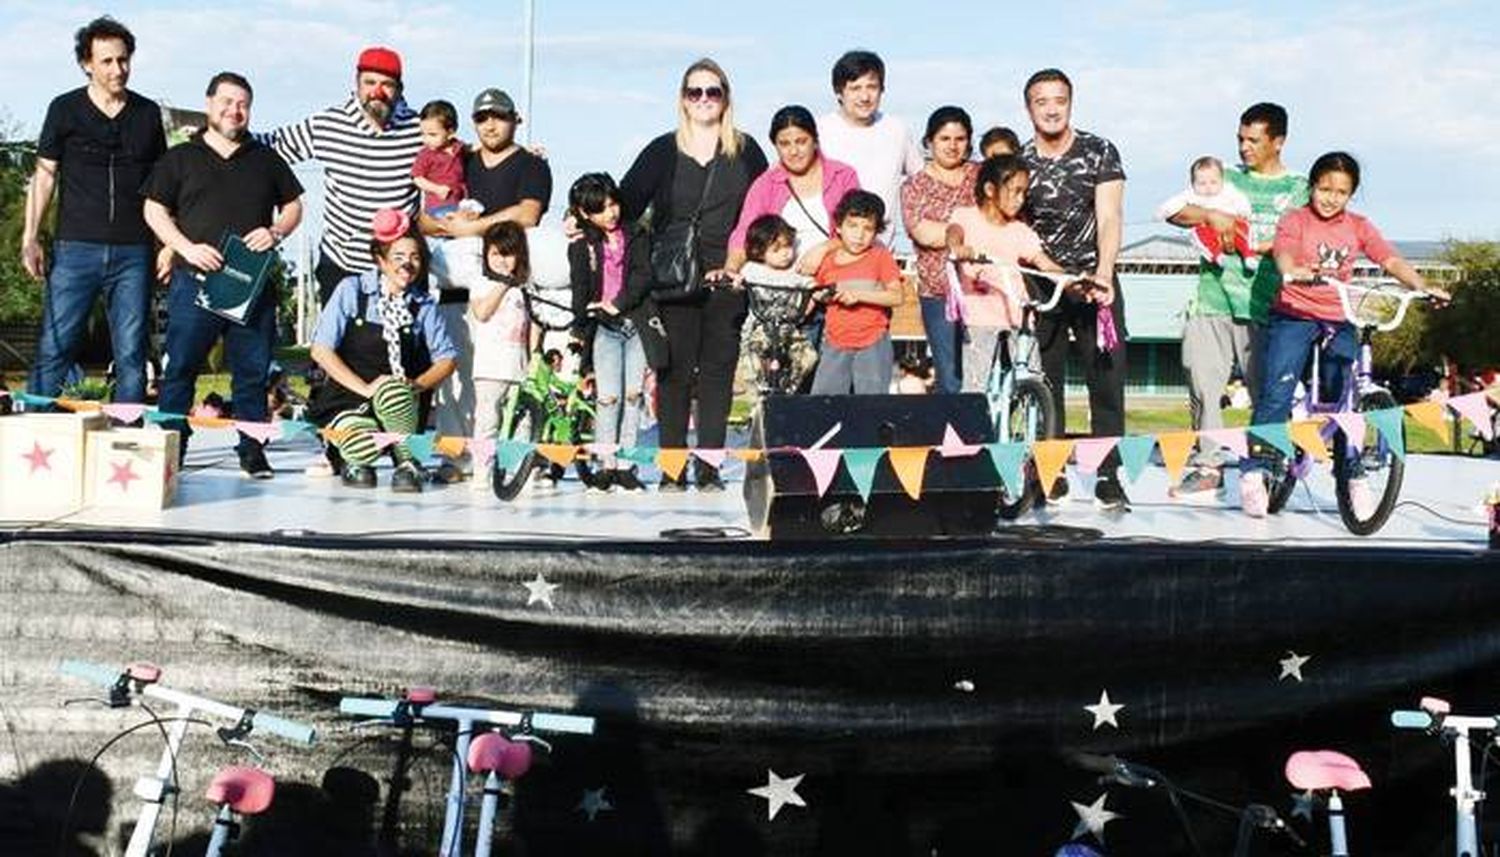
(97, 145)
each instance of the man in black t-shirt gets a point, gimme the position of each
(1076, 202)
(512, 184)
(96, 145)
(221, 182)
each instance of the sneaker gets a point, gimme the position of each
(1109, 494)
(1254, 498)
(320, 469)
(359, 475)
(628, 481)
(1199, 486)
(448, 473)
(1361, 499)
(1059, 491)
(407, 479)
(253, 462)
(601, 481)
(708, 478)
(668, 485)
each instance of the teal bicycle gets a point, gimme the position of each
(545, 408)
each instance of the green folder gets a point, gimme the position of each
(231, 291)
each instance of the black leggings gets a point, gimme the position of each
(703, 344)
(1103, 372)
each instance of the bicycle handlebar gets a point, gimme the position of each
(108, 678)
(1424, 720)
(1060, 280)
(385, 709)
(1403, 297)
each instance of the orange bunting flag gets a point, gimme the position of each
(748, 455)
(1308, 435)
(1176, 448)
(1051, 457)
(210, 422)
(672, 462)
(910, 464)
(452, 447)
(561, 454)
(1433, 416)
(79, 406)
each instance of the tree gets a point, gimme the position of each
(20, 299)
(1463, 332)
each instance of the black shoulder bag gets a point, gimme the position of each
(676, 270)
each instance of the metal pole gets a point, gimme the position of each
(529, 73)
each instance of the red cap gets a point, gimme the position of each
(390, 224)
(381, 60)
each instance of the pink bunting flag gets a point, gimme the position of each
(1089, 453)
(824, 463)
(482, 449)
(263, 432)
(124, 412)
(601, 449)
(1475, 407)
(1231, 439)
(715, 459)
(1352, 424)
(384, 439)
(954, 446)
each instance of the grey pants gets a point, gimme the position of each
(867, 370)
(1212, 345)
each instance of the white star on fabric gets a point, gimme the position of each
(1291, 665)
(1105, 711)
(1303, 804)
(1093, 817)
(778, 792)
(539, 591)
(593, 803)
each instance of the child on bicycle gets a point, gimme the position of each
(771, 247)
(992, 290)
(1320, 239)
(861, 282)
(499, 327)
(614, 317)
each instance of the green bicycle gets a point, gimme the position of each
(545, 408)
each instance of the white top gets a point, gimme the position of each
(1230, 200)
(883, 153)
(810, 231)
(500, 344)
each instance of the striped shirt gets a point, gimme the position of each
(365, 169)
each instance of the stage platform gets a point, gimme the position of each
(931, 694)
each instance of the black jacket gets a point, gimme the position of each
(586, 273)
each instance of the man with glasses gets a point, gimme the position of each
(96, 146)
(512, 184)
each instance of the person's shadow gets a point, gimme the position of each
(40, 813)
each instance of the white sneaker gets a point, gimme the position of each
(1361, 499)
(1254, 498)
(320, 469)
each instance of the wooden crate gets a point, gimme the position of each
(132, 469)
(42, 463)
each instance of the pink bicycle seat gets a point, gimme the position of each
(493, 752)
(421, 695)
(1433, 705)
(1325, 769)
(247, 791)
(143, 672)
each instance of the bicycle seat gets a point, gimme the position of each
(421, 695)
(1325, 769)
(247, 791)
(493, 752)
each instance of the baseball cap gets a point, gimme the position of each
(494, 101)
(381, 60)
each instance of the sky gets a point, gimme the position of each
(1411, 89)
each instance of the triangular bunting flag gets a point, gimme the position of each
(1391, 424)
(1432, 415)
(1475, 408)
(861, 464)
(210, 422)
(824, 464)
(1009, 460)
(79, 406)
(292, 428)
(482, 450)
(1277, 435)
(1135, 454)
(1232, 439)
(125, 412)
(1051, 457)
(1352, 424)
(910, 464)
(157, 417)
(1091, 452)
(748, 455)
(263, 432)
(1308, 434)
(420, 445)
(31, 401)
(386, 439)
(638, 454)
(672, 462)
(954, 446)
(712, 457)
(602, 450)
(561, 454)
(1176, 448)
(451, 447)
(510, 454)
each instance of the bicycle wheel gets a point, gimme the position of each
(1383, 471)
(525, 424)
(1032, 417)
(1281, 480)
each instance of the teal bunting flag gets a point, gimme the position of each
(1008, 459)
(1277, 435)
(1135, 454)
(861, 464)
(1391, 423)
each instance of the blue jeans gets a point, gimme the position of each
(942, 344)
(191, 334)
(619, 372)
(1287, 347)
(867, 370)
(81, 271)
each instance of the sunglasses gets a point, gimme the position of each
(698, 93)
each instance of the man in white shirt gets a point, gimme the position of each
(879, 147)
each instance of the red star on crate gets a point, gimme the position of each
(41, 459)
(124, 474)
